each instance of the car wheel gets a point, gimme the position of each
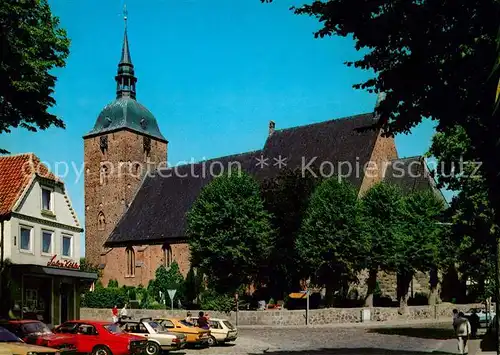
(152, 348)
(101, 350)
(212, 341)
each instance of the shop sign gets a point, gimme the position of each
(65, 264)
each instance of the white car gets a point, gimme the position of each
(159, 340)
(221, 330)
(484, 318)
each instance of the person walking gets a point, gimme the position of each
(474, 323)
(123, 312)
(114, 312)
(462, 331)
(455, 316)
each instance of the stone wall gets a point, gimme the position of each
(297, 317)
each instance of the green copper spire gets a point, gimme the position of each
(125, 80)
(125, 113)
(126, 59)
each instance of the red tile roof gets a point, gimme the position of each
(16, 171)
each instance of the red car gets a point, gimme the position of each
(37, 333)
(102, 338)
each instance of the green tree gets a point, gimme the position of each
(33, 45)
(88, 267)
(193, 286)
(473, 228)
(330, 244)
(230, 234)
(286, 197)
(382, 208)
(169, 279)
(421, 243)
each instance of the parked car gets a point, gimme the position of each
(38, 333)
(221, 330)
(484, 318)
(159, 340)
(102, 338)
(194, 336)
(12, 344)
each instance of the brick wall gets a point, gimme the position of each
(383, 152)
(112, 178)
(147, 260)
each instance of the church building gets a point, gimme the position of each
(135, 213)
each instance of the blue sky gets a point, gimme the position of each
(212, 72)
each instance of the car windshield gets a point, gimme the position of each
(113, 328)
(156, 327)
(228, 324)
(67, 328)
(35, 328)
(8, 337)
(186, 323)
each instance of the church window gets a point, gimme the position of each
(130, 261)
(101, 221)
(168, 255)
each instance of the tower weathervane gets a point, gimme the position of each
(125, 14)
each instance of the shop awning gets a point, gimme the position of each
(53, 271)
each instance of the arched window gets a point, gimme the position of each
(130, 261)
(104, 174)
(101, 221)
(168, 255)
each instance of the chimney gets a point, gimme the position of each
(271, 127)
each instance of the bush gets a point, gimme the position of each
(211, 301)
(113, 283)
(105, 298)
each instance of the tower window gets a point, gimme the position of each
(168, 255)
(147, 146)
(130, 261)
(104, 174)
(103, 144)
(101, 221)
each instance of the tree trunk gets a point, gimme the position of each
(371, 284)
(403, 284)
(433, 283)
(329, 296)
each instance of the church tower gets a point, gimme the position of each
(124, 144)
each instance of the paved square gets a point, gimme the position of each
(380, 340)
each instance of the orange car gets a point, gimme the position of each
(194, 335)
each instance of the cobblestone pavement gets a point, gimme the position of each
(397, 340)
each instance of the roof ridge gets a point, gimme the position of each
(345, 118)
(410, 157)
(17, 155)
(213, 159)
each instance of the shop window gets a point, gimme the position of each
(67, 245)
(101, 220)
(37, 298)
(26, 243)
(47, 244)
(130, 261)
(168, 255)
